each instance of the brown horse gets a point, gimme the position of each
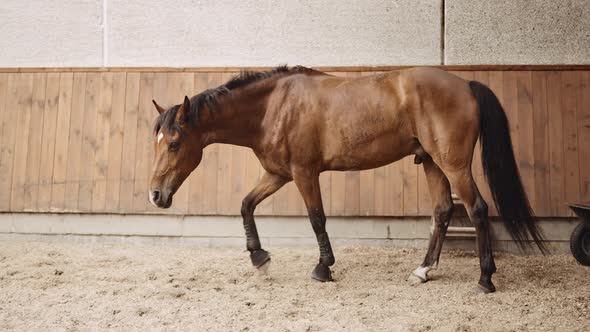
(300, 122)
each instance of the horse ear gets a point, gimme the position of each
(183, 111)
(158, 107)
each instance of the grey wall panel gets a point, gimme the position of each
(45, 33)
(517, 32)
(264, 32)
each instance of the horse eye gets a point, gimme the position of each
(174, 146)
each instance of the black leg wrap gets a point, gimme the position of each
(326, 255)
(252, 239)
(321, 272)
(253, 244)
(259, 257)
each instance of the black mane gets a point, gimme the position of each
(210, 98)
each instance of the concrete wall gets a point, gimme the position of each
(37, 33)
(45, 33)
(274, 231)
(517, 32)
(262, 33)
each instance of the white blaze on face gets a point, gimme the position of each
(160, 136)
(151, 199)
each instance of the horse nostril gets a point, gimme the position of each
(155, 195)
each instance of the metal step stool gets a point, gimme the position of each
(460, 226)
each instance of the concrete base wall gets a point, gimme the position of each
(228, 231)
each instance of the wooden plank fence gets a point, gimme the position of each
(79, 141)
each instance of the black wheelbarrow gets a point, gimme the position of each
(580, 239)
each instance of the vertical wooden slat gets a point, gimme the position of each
(34, 141)
(541, 144)
(525, 134)
(89, 146)
(583, 106)
(10, 115)
(570, 137)
(556, 153)
(23, 110)
(101, 157)
(61, 141)
(128, 165)
(48, 141)
(115, 149)
(76, 137)
(3, 97)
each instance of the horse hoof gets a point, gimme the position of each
(263, 269)
(322, 273)
(487, 289)
(259, 257)
(415, 279)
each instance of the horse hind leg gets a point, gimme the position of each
(477, 209)
(440, 192)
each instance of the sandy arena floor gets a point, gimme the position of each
(132, 287)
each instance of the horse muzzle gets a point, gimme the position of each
(160, 199)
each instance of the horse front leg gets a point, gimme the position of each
(267, 186)
(309, 186)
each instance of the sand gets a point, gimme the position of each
(87, 286)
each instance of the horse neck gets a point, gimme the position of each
(238, 118)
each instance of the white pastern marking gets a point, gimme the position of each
(160, 136)
(422, 272)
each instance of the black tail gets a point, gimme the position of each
(497, 158)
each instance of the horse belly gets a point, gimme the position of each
(369, 151)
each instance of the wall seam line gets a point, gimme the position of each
(442, 33)
(104, 34)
